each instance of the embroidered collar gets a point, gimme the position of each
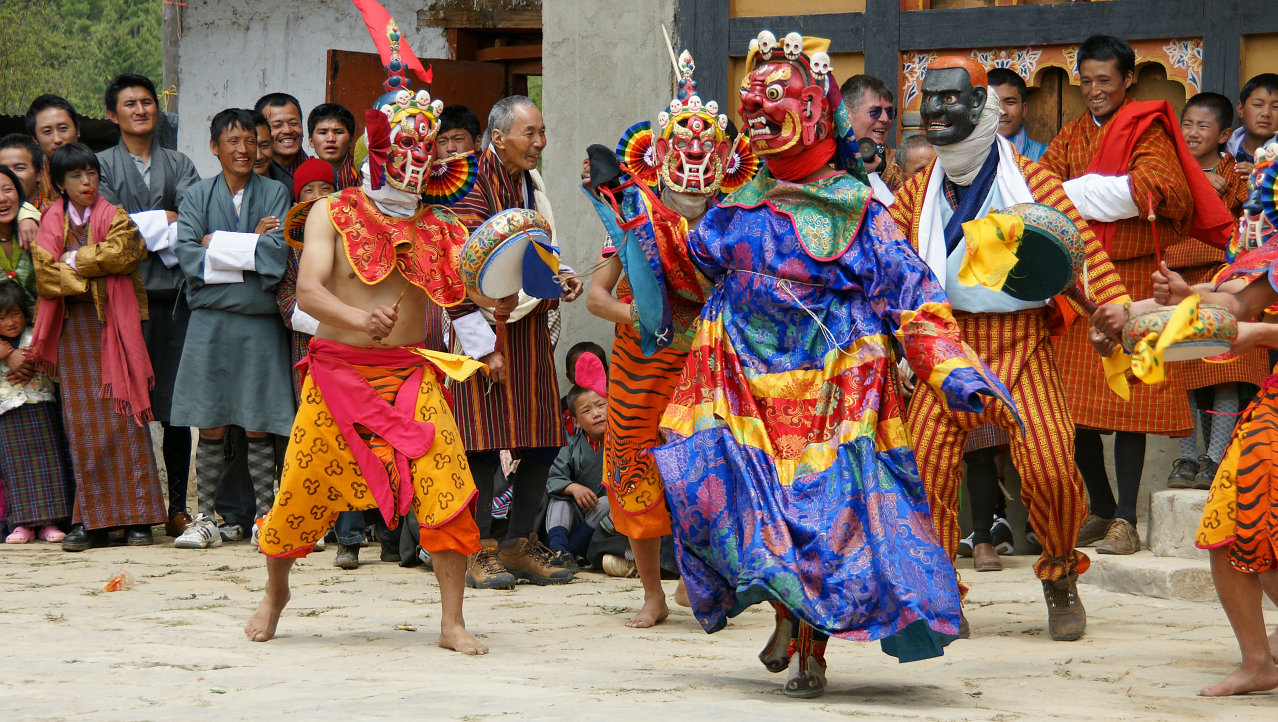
(426, 248)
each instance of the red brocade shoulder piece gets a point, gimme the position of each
(425, 248)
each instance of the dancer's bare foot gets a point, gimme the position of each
(456, 638)
(681, 595)
(261, 626)
(1247, 678)
(1273, 646)
(652, 613)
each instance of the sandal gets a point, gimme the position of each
(52, 534)
(807, 681)
(19, 535)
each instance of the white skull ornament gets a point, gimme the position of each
(820, 63)
(793, 46)
(767, 41)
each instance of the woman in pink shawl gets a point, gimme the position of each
(88, 331)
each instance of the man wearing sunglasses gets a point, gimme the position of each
(873, 109)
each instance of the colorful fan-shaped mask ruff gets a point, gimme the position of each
(295, 223)
(451, 179)
(741, 166)
(638, 154)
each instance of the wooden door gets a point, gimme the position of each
(355, 80)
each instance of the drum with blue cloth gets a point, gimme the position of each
(509, 253)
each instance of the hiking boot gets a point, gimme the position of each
(1092, 530)
(1120, 538)
(347, 556)
(1183, 473)
(1001, 533)
(1206, 473)
(1066, 618)
(527, 559)
(483, 571)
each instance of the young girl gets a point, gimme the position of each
(89, 329)
(34, 464)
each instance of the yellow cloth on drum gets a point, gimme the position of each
(1147, 359)
(992, 242)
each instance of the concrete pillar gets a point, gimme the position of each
(605, 67)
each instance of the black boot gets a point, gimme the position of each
(81, 539)
(139, 535)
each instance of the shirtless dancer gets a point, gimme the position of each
(373, 429)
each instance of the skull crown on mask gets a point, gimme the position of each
(692, 148)
(783, 97)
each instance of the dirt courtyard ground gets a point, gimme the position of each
(361, 645)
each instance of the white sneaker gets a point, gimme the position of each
(231, 532)
(202, 533)
(253, 537)
(965, 545)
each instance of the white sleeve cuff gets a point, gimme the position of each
(229, 251)
(1102, 198)
(28, 212)
(303, 322)
(477, 338)
(154, 227)
(881, 191)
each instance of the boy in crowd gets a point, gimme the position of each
(1010, 88)
(578, 504)
(458, 131)
(331, 130)
(1258, 117)
(1205, 123)
(232, 251)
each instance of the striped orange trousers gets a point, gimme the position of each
(1016, 346)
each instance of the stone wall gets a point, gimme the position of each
(234, 51)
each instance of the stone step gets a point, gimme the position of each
(1148, 575)
(1173, 520)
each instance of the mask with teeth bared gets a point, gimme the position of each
(784, 110)
(692, 153)
(951, 106)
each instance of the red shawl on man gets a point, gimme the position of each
(1210, 222)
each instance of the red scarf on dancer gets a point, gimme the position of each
(127, 377)
(1211, 222)
(352, 400)
(796, 168)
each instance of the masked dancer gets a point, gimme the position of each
(787, 466)
(668, 177)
